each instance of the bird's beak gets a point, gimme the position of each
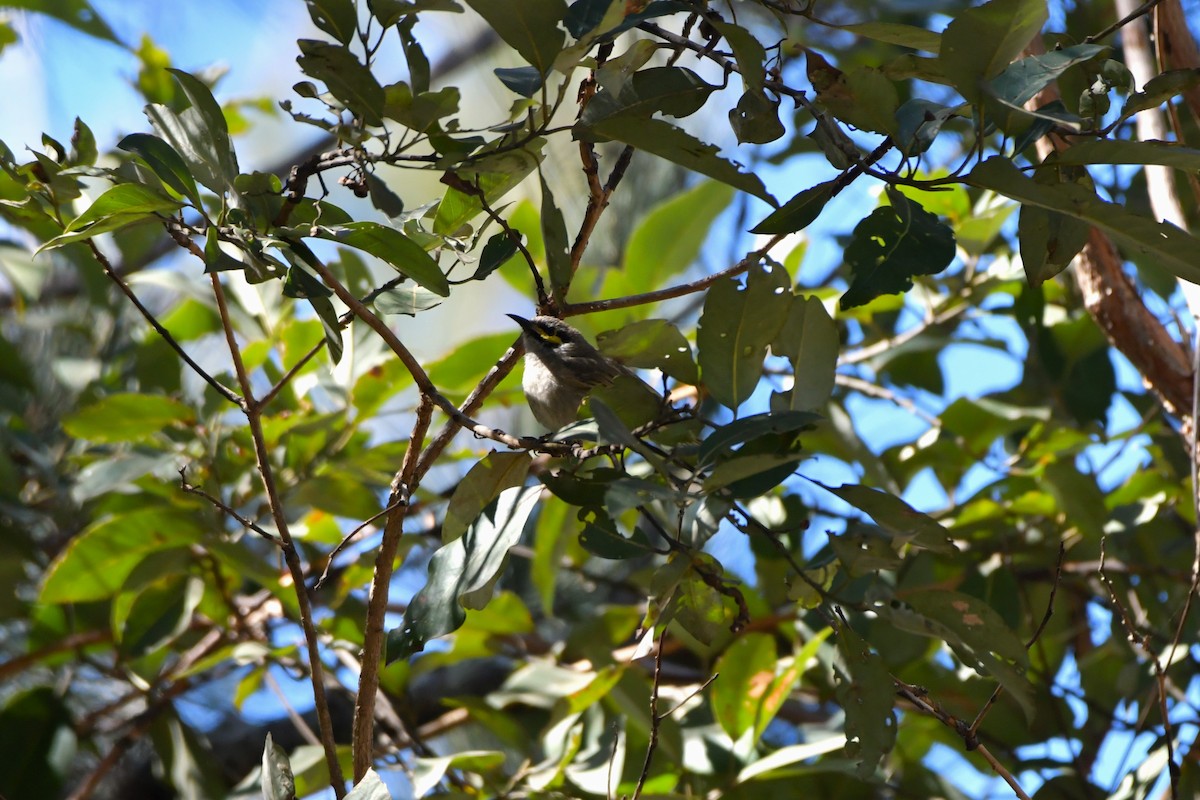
(524, 323)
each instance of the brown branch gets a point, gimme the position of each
(655, 719)
(385, 562)
(923, 702)
(291, 556)
(1144, 8)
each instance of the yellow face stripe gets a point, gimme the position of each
(548, 337)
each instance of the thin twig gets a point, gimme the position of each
(1128, 18)
(220, 388)
(346, 541)
(224, 508)
(1058, 568)
(655, 721)
(923, 702)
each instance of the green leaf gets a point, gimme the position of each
(390, 245)
(809, 338)
(34, 723)
(96, 562)
(676, 145)
(744, 674)
(148, 617)
(210, 122)
(673, 91)
(499, 249)
(731, 472)
(863, 96)
(898, 34)
(462, 573)
(345, 77)
(669, 238)
(528, 26)
(753, 682)
(1048, 242)
(1023, 79)
(905, 523)
(482, 484)
(602, 538)
(980, 42)
(1124, 151)
(408, 298)
(79, 14)
(748, 51)
(651, 344)
(974, 630)
(892, 245)
(1175, 249)
(126, 418)
(554, 235)
(418, 62)
(119, 207)
(736, 327)
(164, 162)
(123, 199)
(525, 81)
(338, 18)
(422, 111)
(745, 429)
(866, 693)
(755, 119)
(799, 212)
(278, 783)
(1159, 89)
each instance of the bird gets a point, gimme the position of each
(561, 368)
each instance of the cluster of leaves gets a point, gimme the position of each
(622, 655)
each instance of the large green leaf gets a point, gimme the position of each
(34, 723)
(905, 523)
(674, 91)
(866, 692)
(1124, 151)
(737, 325)
(974, 630)
(162, 159)
(79, 14)
(809, 339)
(205, 118)
(338, 18)
(463, 572)
(531, 27)
(651, 344)
(980, 42)
(390, 245)
(119, 207)
(482, 484)
(676, 145)
(96, 562)
(799, 212)
(345, 77)
(893, 244)
(1175, 249)
(669, 238)
(126, 418)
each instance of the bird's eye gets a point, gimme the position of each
(548, 336)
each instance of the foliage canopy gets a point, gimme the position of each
(839, 559)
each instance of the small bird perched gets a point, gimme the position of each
(561, 368)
